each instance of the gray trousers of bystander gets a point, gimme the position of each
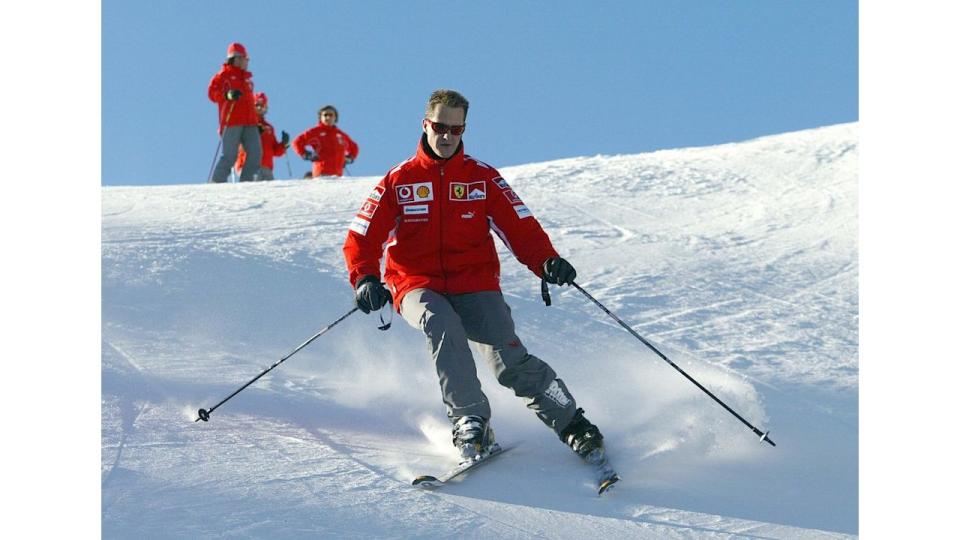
(233, 137)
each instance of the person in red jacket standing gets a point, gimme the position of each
(329, 147)
(433, 215)
(232, 90)
(269, 144)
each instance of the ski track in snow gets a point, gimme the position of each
(739, 261)
(128, 422)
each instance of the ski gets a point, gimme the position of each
(606, 475)
(607, 482)
(428, 481)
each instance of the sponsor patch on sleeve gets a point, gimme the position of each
(376, 194)
(501, 183)
(368, 209)
(522, 211)
(512, 197)
(359, 225)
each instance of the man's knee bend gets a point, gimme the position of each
(229, 154)
(528, 376)
(440, 320)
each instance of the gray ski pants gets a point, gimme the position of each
(264, 174)
(449, 321)
(233, 137)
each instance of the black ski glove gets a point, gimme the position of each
(371, 294)
(284, 139)
(309, 156)
(233, 95)
(558, 271)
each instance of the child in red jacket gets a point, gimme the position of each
(269, 144)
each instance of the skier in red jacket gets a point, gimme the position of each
(433, 214)
(232, 90)
(330, 148)
(269, 144)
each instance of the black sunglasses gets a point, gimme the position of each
(443, 129)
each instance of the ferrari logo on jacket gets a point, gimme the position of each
(474, 191)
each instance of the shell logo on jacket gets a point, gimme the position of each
(332, 147)
(243, 112)
(431, 219)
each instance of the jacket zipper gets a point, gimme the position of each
(443, 270)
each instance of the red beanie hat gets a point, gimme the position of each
(236, 49)
(260, 97)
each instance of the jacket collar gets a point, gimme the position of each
(427, 158)
(233, 68)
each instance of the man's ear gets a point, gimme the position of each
(423, 124)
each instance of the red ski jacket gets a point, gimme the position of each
(269, 145)
(331, 145)
(233, 78)
(433, 218)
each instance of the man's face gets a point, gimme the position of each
(261, 108)
(328, 117)
(241, 61)
(443, 144)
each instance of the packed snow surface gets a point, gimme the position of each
(738, 261)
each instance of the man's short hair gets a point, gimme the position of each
(449, 98)
(336, 113)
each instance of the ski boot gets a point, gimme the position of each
(581, 436)
(473, 437)
(585, 439)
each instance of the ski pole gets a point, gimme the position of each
(289, 170)
(204, 414)
(220, 142)
(763, 436)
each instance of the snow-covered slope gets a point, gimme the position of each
(739, 261)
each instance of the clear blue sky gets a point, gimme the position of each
(545, 80)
